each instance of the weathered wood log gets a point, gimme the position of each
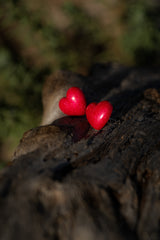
(69, 181)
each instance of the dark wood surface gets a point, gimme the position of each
(69, 181)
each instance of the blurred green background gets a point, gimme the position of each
(38, 37)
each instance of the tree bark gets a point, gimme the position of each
(69, 181)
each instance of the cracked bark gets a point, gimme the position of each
(69, 181)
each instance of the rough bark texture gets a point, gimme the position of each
(69, 181)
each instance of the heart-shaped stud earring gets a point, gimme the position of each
(99, 114)
(74, 104)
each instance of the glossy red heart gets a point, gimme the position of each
(74, 104)
(99, 114)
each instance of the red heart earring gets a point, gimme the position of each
(74, 104)
(99, 114)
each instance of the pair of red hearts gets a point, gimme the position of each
(74, 104)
